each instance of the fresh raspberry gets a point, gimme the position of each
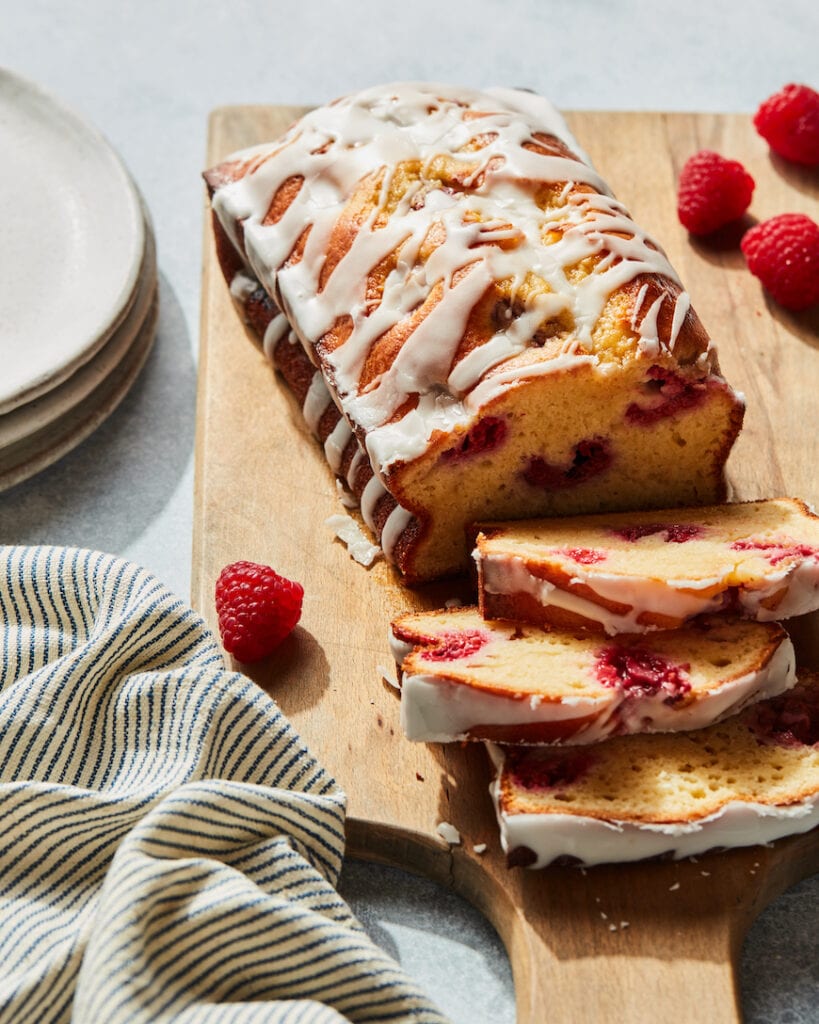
(789, 122)
(257, 608)
(783, 253)
(712, 192)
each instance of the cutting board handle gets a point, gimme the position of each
(647, 943)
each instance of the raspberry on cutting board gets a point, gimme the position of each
(789, 123)
(783, 253)
(257, 609)
(712, 192)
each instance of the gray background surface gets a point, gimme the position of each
(147, 74)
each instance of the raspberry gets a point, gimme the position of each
(257, 608)
(454, 644)
(783, 253)
(487, 434)
(591, 456)
(789, 122)
(640, 672)
(675, 533)
(712, 192)
(776, 551)
(583, 556)
(551, 771)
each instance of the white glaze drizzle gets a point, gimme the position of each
(355, 464)
(681, 308)
(508, 575)
(648, 329)
(336, 442)
(372, 133)
(370, 496)
(801, 593)
(316, 402)
(397, 521)
(347, 499)
(278, 329)
(797, 583)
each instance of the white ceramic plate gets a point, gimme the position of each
(60, 433)
(73, 241)
(34, 417)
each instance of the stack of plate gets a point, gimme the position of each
(78, 280)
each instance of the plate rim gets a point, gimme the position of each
(13, 86)
(32, 418)
(40, 450)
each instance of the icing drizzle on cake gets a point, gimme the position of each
(453, 164)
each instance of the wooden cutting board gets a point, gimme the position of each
(641, 943)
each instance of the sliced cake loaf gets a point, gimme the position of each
(751, 779)
(637, 571)
(466, 678)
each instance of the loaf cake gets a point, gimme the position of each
(474, 327)
(632, 572)
(463, 677)
(751, 779)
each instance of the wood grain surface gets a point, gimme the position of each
(651, 942)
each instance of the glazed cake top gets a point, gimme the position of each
(383, 222)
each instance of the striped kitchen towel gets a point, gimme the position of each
(168, 847)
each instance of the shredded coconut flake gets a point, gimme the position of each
(350, 533)
(479, 848)
(449, 833)
(674, 887)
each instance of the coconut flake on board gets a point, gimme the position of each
(350, 533)
(449, 833)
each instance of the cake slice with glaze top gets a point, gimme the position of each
(473, 326)
(749, 780)
(637, 571)
(463, 677)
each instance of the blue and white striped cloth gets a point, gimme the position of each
(168, 847)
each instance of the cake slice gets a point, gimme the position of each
(472, 324)
(463, 677)
(638, 571)
(751, 779)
